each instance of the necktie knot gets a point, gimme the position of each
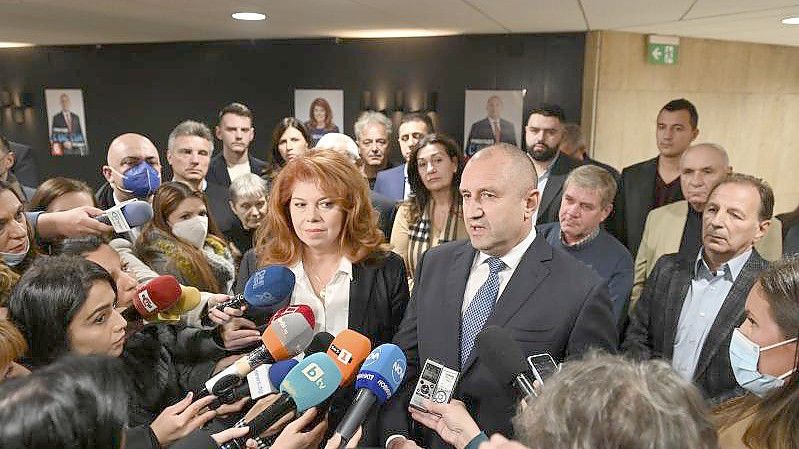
(495, 265)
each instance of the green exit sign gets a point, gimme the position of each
(662, 50)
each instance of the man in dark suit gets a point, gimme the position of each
(543, 135)
(655, 182)
(689, 307)
(490, 130)
(7, 160)
(24, 164)
(126, 152)
(505, 275)
(188, 152)
(392, 183)
(236, 132)
(67, 134)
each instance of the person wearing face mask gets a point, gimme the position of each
(763, 356)
(17, 246)
(132, 170)
(182, 240)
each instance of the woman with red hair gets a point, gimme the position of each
(320, 120)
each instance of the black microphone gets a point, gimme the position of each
(501, 354)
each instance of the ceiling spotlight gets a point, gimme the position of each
(791, 20)
(248, 16)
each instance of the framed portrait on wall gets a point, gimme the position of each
(321, 110)
(492, 116)
(66, 118)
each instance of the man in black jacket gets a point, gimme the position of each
(236, 132)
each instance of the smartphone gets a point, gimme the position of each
(542, 366)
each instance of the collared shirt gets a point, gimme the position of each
(332, 312)
(542, 182)
(479, 271)
(582, 243)
(238, 169)
(407, 185)
(705, 298)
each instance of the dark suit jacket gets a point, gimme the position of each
(386, 209)
(378, 298)
(25, 165)
(634, 199)
(59, 121)
(391, 183)
(482, 133)
(587, 160)
(549, 209)
(217, 169)
(653, 325)
(552, 303)
(104, 196)
(219, 208)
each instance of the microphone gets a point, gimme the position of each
(308, 384)
(301, 309)
(284, 338)
(380, 377)
(348, 350)
(127, 215)
(159, 294)
(502, 356)
(189, 299)
(266, 287)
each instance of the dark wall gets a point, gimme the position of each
(150, 88)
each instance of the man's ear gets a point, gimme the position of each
(762, 228)
(218, 132)
(532, 200)
(12, 160)
(606, 212)
(107, 173)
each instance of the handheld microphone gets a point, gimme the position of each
(348, 350)
(380, 377)
(127, 215)
(159, 294)
(266, 287)
(189, 299)
(284, 338)
(504, 358)
(308, 384)
(303, 309)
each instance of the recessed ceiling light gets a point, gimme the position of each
(389, 33)
(791, 20)
(248, 16)
(15, 44)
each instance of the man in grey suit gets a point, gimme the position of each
(689, 307)
(505, 275)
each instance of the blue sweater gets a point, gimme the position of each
(605, 255)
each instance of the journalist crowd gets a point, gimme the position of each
(313, 294)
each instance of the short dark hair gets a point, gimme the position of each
(762, 187)
(47, 298)
(549, 110)
(80, 246)
(236, 109)
(417, 117)
(681, 104)
(5, 145)
(77, 402)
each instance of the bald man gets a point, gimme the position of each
(133, 170)
(504, 275)
(677, 227)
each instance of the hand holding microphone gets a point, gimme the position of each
(180, 419)
(157, 295)
(266, 287)
(125, 216)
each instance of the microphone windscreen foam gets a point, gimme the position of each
(303, 309)
(279, 370)
(287, 336)
(382, 371)
(312, 381)
(500, 353)
(269, 286)
(161, 293)
(348, 350)
(137, 213)
(320, 343)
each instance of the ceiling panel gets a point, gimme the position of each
(707, 8)
(522, 16)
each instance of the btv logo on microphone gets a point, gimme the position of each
(314, 373)
(148, 303)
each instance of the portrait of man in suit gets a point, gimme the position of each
(506, 275)
(66, 133)
(490, 130)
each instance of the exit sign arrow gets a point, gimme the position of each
(662, 50)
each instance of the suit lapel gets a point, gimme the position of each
(643, 192)
(360, 288)
(679, 284)
(520, 288)
(554, 185)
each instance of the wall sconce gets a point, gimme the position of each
(366, 100)
(431, 102)
(5, 99)
(26, 100)
(19, 115)
(399, 101)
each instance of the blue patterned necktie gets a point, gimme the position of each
(480, 308)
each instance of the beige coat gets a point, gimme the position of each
(733, 437)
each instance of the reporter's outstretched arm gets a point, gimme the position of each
(451, 422)
(293, 437)
(181, 419)
(75, 222)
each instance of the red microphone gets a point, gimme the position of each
(158, 295)
(302, 309)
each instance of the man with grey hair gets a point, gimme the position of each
(677, 227)
(587, 200)
(188, 153)
(372, 132)
(507, 275)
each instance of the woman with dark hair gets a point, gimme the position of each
(78, 403)
(320, 120)
(183, 240)
(290, 139)
(764, 359)
(432, 215)
(60, 194)
(322, 226)
(17, 245)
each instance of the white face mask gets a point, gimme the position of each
(194, 230)
(14, 259)
(744, 358)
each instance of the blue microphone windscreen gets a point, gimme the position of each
(137, 213)
(382, 372)
(312, 381)
(279, 370)
(269, 286)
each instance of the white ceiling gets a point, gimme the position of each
(54, 22)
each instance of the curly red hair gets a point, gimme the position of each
(334, 174)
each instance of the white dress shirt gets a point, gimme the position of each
(407, 185)
(239, 169)
(332, 313)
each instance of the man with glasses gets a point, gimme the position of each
(372, 131)
(543, 136)
(393, 183)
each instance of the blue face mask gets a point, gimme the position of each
(14, 259)
(744, 357)
(141, 180)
